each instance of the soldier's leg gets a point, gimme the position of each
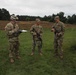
(56, 46)
(33, 47)
(17, 49)
(60, 42)
(39, 47)
(11, 51)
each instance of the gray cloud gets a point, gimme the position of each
(39, 7)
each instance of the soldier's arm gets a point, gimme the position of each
(8, 27)
(10, 30)
(41, 32)
(53, 28)
(16, 29)
(32, 31)
(62, 29)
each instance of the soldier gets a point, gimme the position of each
(10, 29)
(58, 30)
(36, 31)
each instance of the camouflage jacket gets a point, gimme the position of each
(36, 29)
(10, 30)
(59, 29)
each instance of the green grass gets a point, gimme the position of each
(40, 65)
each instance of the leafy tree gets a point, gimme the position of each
(5, 14)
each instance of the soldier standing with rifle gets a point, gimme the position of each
(36, 31)
(12, 30)
(58, 30)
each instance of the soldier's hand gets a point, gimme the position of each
(41, 35)
(34, 33)
(52, 30)
(11, 32)
(59, 34)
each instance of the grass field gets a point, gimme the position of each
(40, 65)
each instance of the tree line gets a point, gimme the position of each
(5, 15)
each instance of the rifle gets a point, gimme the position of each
(38, 35)
(16, 34)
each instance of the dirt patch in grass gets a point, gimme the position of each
(28, 24)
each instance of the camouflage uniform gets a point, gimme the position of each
(36, 41)
(58, 37)
(13, 40)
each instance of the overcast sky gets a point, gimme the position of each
(39, 7)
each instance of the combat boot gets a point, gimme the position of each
(61, 57)
(32, 53)
(18, 57)
(12, 60)
(40, 54)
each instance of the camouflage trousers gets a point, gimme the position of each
(58, 46)
(37, 43)
(13, 49)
